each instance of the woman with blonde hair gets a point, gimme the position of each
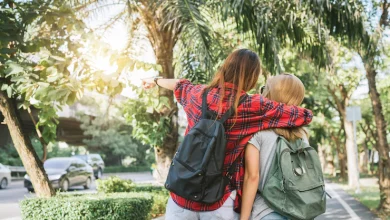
(237, 75)
(260, 150)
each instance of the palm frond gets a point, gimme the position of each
(189, 18)
(272, 25)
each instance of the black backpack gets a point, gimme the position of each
(196, 171)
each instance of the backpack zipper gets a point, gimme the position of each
(186, 166)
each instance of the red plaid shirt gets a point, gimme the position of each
(254, 114)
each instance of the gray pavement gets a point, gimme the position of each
(344, 206)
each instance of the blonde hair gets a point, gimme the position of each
(288, 89)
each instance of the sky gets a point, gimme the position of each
(116, 37)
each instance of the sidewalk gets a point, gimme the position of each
(344, 206)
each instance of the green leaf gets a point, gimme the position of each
(158, 68)
(7, 51)
(4, 87)
(12, 69)
(9, 91)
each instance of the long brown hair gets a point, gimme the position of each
(241, 68)
(288, 89)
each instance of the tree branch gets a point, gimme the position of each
(43, 142)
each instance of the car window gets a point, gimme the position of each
(56, 164)
(74, 164)
(82, 164)
(79, 163)
(82, 157)
(96, 157)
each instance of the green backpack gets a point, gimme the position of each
(294, 186)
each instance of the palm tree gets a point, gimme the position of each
(369, 52)
(165, 23)
(269, 26)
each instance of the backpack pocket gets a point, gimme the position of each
(185, 181)
(196, 172)
(306, 202)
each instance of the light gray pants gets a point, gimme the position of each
(225, 212)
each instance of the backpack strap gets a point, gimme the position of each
(204, 103)
(228, 113)
(230, 170)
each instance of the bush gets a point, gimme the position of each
(114, 184)
(89, 206)
(122, 169)
(160, 197)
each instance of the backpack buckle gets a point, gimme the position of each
(228, 175)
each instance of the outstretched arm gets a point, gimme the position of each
(165, 83)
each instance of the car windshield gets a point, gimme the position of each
(83, 157)
(57, 164)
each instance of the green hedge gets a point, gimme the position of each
(114, 185)
(122, 169)
(89, 206)
(117, 185)
(160, 198)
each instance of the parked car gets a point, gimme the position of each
(65, 172)
(95, 161)
(5, 176)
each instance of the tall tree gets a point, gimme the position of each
(342, 79)
(41, 65)
(165, 24)
(369, 52)
(22, 77)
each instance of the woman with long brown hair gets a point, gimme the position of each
(260, 150)
(238, 74)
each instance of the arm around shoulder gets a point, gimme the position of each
(277, 115)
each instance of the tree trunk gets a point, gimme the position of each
(330, 164)
(341, 156)
(382, 144)
(30, 159)
(322, 156)
(352, 157)
(343, 165)
(43, 142)
(364, 159)
(163, 36)
(165, 153)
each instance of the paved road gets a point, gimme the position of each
(10, 197)
(343, 206)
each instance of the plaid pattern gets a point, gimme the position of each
(254, 114)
